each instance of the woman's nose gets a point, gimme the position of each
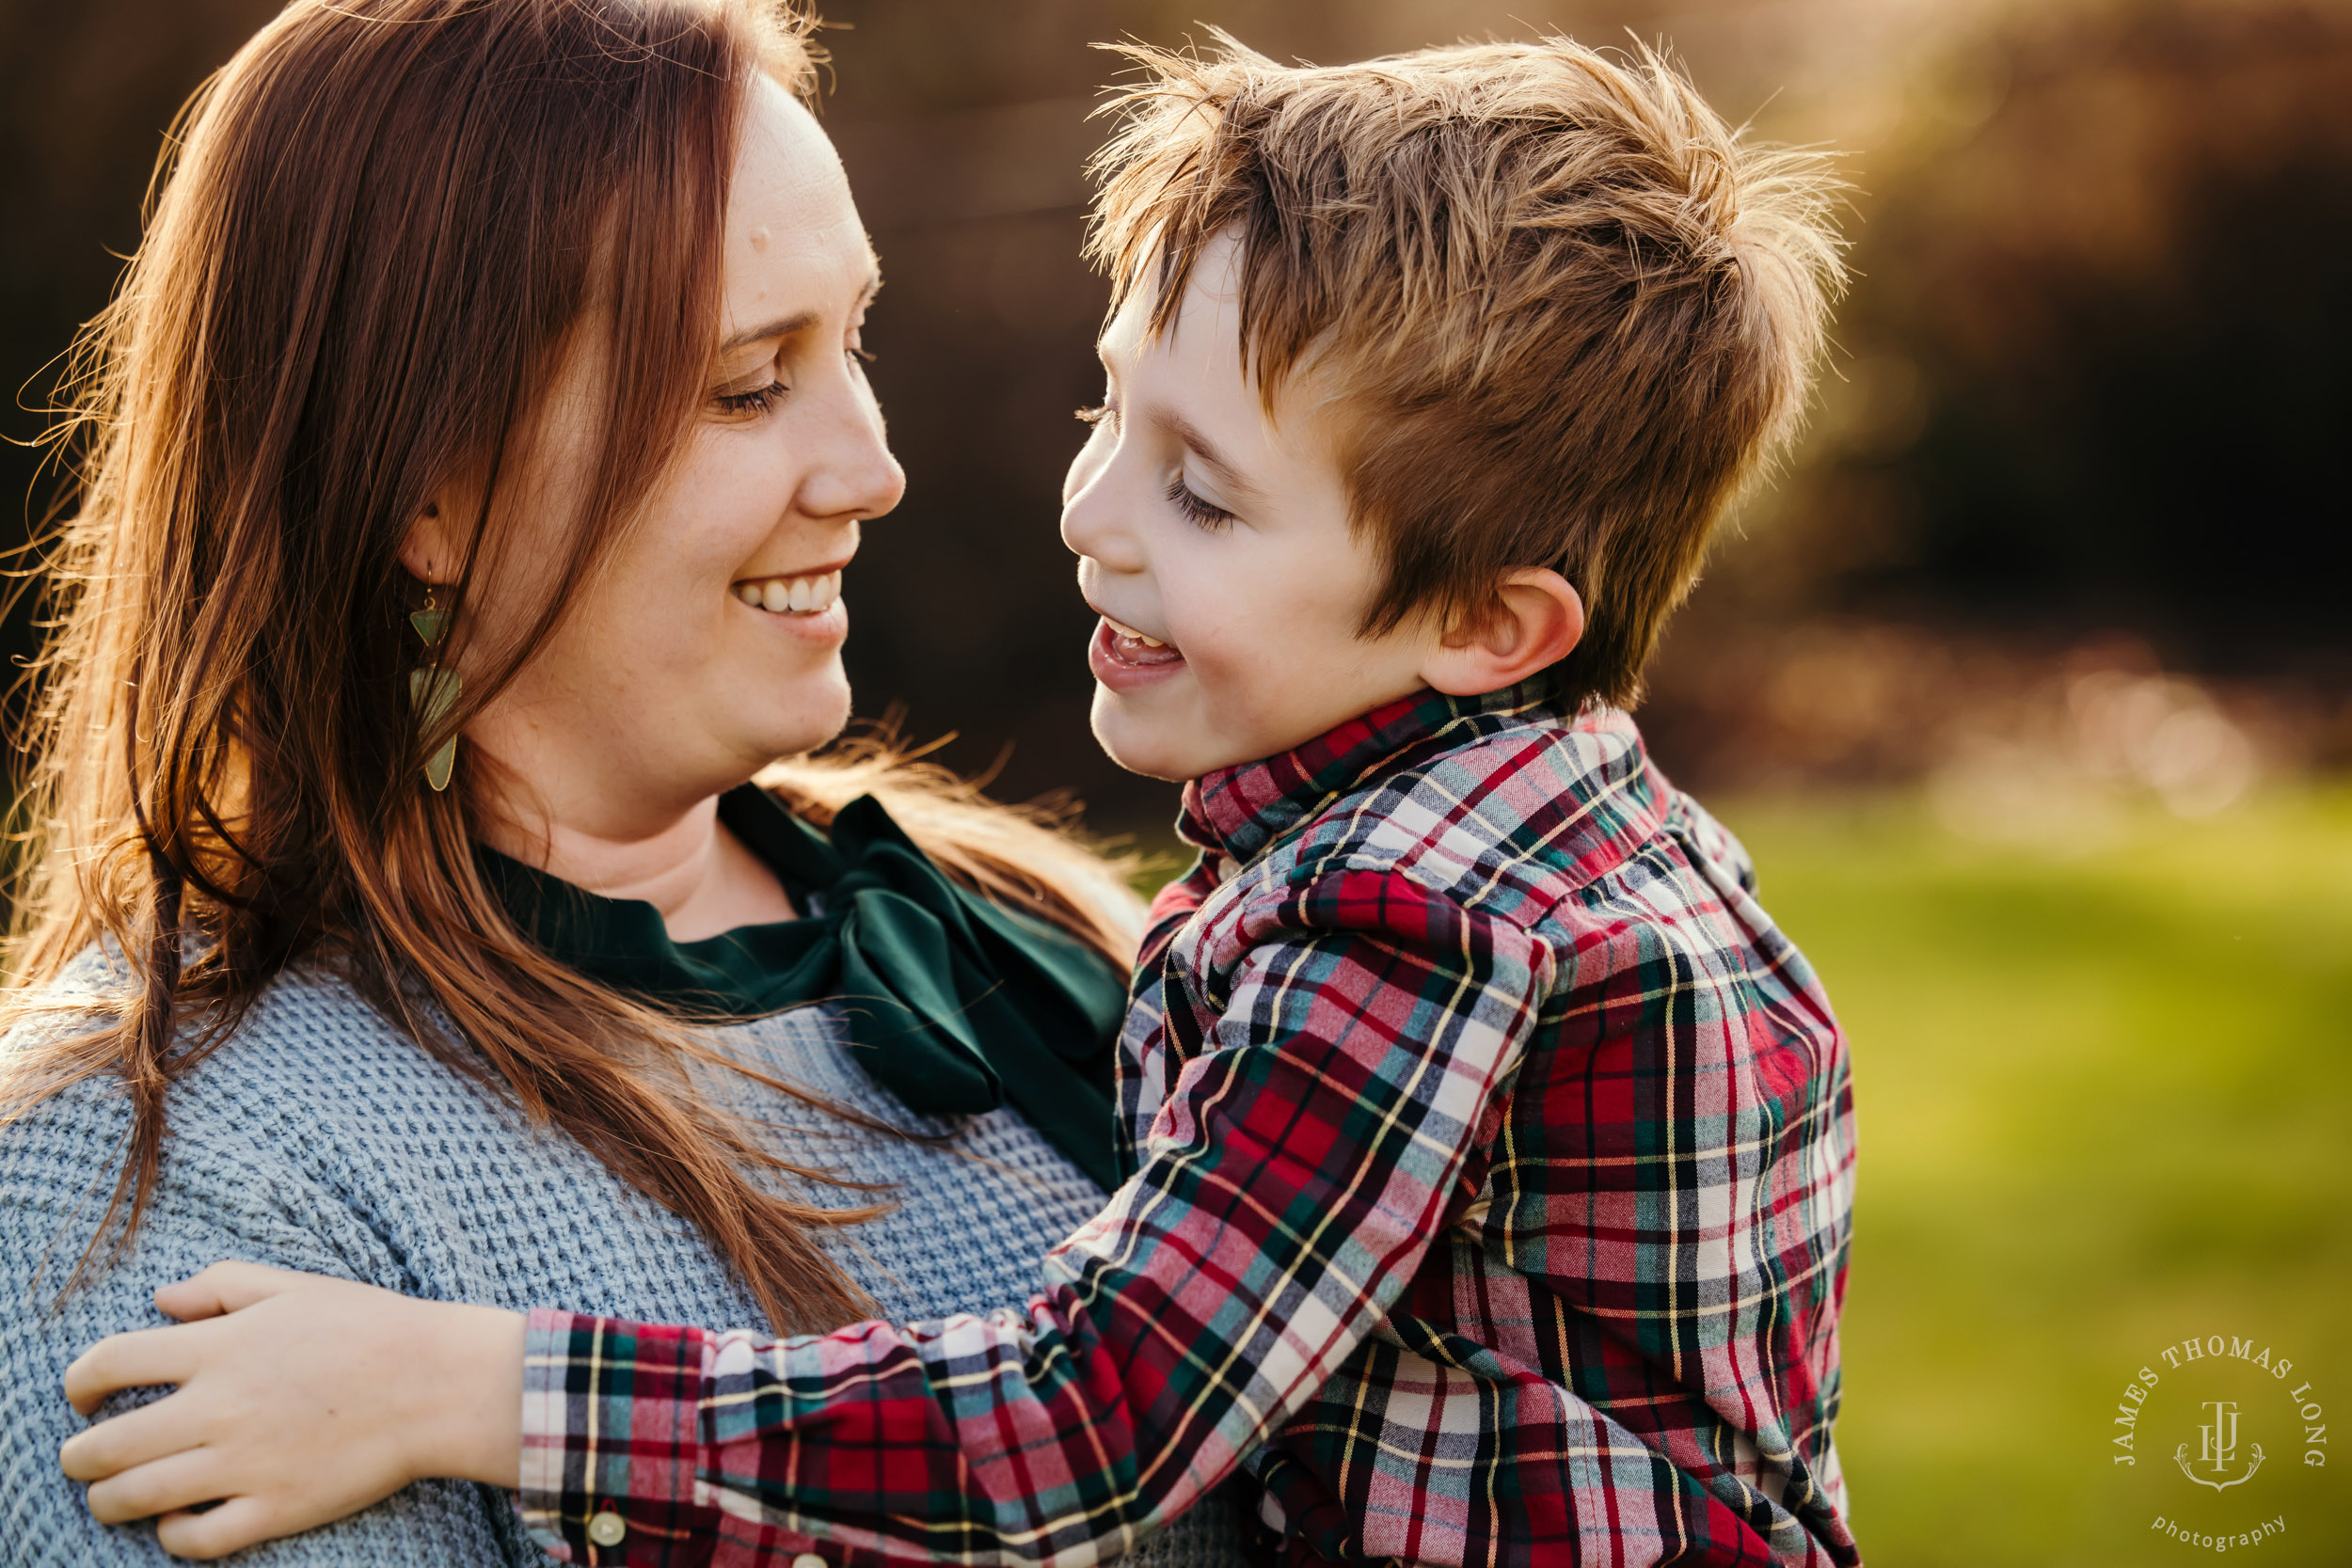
(857, 475)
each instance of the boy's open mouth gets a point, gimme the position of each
(1125, 658)
(1130, 646)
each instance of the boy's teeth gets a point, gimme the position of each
(804, 595)
(1130, 631)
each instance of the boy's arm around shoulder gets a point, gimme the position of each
(1323, 1091)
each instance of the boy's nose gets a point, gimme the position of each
(1091, 519)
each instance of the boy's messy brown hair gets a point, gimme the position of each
(1565, 313)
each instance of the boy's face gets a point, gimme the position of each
(1213, 542)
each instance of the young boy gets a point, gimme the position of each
(1489, 1149)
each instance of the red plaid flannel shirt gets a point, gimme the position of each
(1492, 1186)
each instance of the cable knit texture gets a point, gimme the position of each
(321, 1139)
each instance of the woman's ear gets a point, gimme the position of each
(431, 548)
(1531, 622)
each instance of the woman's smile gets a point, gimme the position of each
(826, 624)
(806, 604)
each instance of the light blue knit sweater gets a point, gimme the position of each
(319, 1138)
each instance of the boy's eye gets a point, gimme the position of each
(1101, 413)
(1205, 513)
(757, 401)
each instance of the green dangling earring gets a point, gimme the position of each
(433, 691)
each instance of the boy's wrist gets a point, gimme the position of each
(468, 1386)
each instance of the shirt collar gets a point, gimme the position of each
(953, 1003)
(1238, 811)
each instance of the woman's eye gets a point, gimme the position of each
(1101, 413)
(1208, 515)
(757, 401)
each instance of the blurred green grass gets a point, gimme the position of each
(2103, 1103)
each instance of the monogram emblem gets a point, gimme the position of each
(2218, 1447)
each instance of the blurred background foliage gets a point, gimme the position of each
(2029, 680)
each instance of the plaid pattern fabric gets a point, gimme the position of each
(1492, 1158)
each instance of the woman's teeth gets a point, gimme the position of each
(791, 596)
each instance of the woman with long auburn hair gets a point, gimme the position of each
(414, 892)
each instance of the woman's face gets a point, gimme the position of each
(709, 642)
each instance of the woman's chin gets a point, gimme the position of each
(812, 712)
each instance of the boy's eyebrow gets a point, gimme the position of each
(1197, 443)
(799, 321)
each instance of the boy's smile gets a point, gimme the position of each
(1124, 659)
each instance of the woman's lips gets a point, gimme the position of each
(1124, 659)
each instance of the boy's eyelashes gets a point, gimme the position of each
(1204, 514)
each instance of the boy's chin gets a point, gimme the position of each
(1150, 746)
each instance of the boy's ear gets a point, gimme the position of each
(1531, 622)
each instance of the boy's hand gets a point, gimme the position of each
(300, 1400)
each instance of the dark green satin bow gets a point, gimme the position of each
(953, 1003)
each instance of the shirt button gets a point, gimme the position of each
(606, 1528)
(810, 1559)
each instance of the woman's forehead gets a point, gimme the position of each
(789, 194)
(795, 246)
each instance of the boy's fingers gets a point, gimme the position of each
(175, 1482)
(227, 1288)
(218, 1531)
(133, 1360)
(132, 1438)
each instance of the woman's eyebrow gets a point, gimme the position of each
(783, 326)
(799, 321)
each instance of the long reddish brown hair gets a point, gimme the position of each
(371, 236)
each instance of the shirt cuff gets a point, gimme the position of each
(613, 1442)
